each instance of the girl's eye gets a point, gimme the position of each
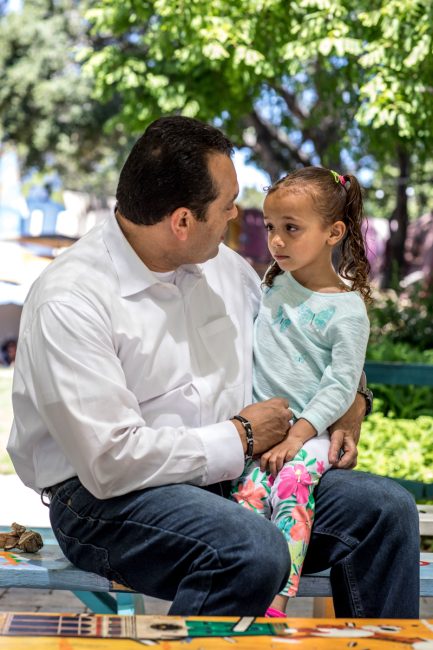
(268, 226)
(291, 228)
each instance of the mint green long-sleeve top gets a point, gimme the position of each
(309, 347)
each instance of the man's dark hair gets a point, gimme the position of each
(168, 169)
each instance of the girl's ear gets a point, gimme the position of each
(337, 232)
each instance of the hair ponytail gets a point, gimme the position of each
(271, 274)
(354, 265)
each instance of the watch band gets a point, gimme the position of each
(249, 435)
(368, 396)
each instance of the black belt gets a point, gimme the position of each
(49, 492)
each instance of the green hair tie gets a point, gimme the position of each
(338, 178)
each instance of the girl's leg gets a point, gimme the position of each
(292, 505)
(252, 489)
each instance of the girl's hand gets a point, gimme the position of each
(274, 459)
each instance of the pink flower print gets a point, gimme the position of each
(301, 531)
(320, 467)
(294, 480)
(250, 495)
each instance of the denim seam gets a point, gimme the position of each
(347, 568)
(352, 542)
(353, 588)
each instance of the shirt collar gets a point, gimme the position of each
(134, 276)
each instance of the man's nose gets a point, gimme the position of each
(233, 213)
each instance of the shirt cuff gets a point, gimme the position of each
(316, 421)
(225, 458)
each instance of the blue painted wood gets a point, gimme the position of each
(99, 603)
(129, 604)
(399, 374)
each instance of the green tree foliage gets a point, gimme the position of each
(46, 103)
(229, 62)
(298, 81)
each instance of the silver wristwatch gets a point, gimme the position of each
(364, 390)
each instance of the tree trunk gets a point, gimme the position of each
(394, 256)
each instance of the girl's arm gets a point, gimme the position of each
(347, 338)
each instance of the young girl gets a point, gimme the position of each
(310, 339)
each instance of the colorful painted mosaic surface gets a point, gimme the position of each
(87, 632)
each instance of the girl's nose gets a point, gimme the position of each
(277, 241)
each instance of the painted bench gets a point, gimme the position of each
(49, 569)
(399, 374)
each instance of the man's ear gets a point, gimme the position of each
(182, 221)
(336, 232)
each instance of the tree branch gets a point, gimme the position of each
(274, 147)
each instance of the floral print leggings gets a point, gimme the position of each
(288, 499)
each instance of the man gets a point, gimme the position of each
(134, 357)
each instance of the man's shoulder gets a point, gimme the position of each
(83, 268)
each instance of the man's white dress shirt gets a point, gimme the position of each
(126, 380)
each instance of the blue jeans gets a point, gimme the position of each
(367, 529)
(176, 542)
(210, 556)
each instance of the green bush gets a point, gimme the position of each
(404, 318)
(388, 350)
(402, 401)
(397, 447)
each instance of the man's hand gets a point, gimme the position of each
(345, 434)
(270, 421)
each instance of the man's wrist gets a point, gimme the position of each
(249, 438)
(367, 394)
(242, 434)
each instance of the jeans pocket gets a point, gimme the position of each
(88, 557)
